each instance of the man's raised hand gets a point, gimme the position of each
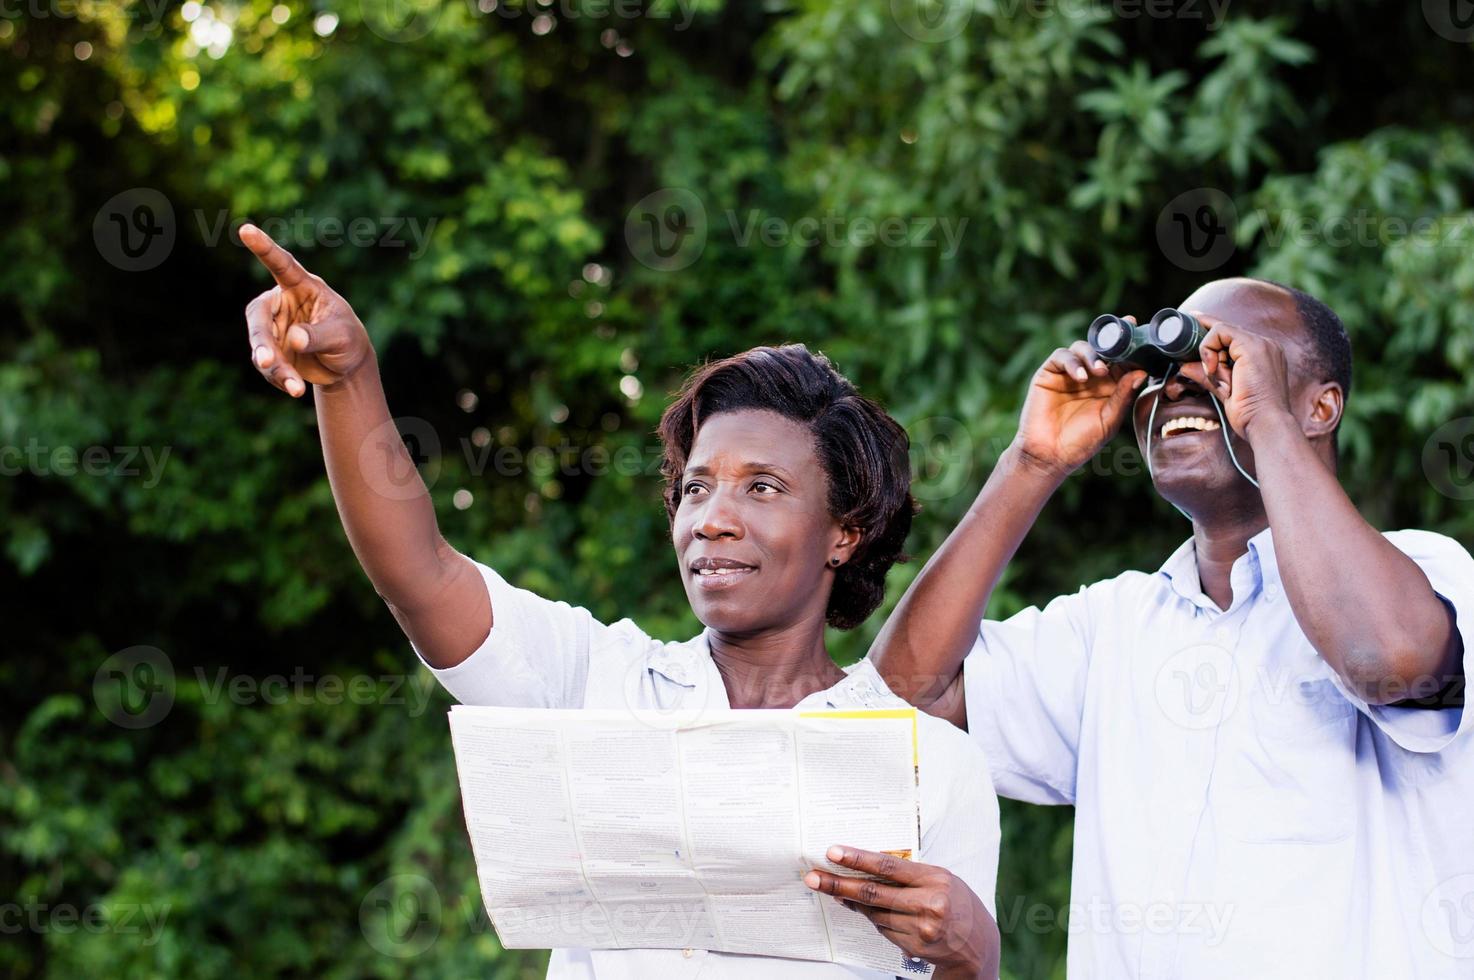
(301, 331)
(1076, 402)
(1248, 371)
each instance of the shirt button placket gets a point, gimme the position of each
(1159, 948)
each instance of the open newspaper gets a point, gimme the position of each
(641, 829)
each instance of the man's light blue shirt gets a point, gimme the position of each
(1239, 812)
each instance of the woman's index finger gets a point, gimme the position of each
(284, 268)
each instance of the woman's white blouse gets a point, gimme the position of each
(548, 654)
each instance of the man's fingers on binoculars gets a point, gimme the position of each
(1118, 408)
(1217, 354)
(1093, 361)
(1066, 361)
(1196, 373)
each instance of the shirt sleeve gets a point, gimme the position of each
(1450, 571)
(1024, 682)
(535, 656)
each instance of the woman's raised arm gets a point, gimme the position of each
(302, 332)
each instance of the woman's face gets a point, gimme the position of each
(752, 531)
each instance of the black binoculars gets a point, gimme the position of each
(1171, 336)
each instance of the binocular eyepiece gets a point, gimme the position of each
(1172, 335)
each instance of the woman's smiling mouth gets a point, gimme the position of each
(720, 573)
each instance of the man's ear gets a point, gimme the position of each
(1326, 407)
(845, 542)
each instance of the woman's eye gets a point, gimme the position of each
(690, 489)
(765, 486)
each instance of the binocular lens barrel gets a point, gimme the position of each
(1176, 334)
(1170, 329)
(1110, 337)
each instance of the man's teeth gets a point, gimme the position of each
(1188, 422)
(719, 571)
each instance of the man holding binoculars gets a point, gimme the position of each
(1264, 739)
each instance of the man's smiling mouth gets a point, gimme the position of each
(1188, 423)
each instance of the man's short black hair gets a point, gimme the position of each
(1329, 344)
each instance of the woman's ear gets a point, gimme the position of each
(1325, 410)
(845, 542)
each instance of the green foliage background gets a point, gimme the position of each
(1057, 130)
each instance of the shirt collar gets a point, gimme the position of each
(863, 687)
(1253, 570)
(1181, 569)
(689, 663)
(682, 663)
(1267, 568)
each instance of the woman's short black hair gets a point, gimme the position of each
(864, 452)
